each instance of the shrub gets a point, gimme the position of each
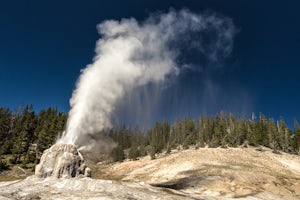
(3, 165)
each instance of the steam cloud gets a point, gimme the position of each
(132, 54)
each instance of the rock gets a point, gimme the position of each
(62, 161)
(82, 188)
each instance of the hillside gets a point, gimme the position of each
(205, 173)
(219, 172)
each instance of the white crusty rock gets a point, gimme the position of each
(62, 161)
(82, 188)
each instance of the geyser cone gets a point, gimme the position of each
(62, 161)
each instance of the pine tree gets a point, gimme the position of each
(219, 131)
(284, 135)
(189, 133)
(134, 152)
(5, 116)
(24, 133)
(296, 137)
(175, 135)
(201, 126)
(118, 154)
(273, 136)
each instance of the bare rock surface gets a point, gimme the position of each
(62, 161)
(81, 188)
(217, 173)
(205, 173)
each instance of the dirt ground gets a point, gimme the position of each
(15, 173)
(205, 173)
(214, 172)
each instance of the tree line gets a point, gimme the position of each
(24, 135)
(221, 130)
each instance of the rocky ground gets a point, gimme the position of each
(205, 173)
(34, 188)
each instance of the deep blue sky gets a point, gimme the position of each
(44, 44)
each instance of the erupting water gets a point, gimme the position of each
(131, 54)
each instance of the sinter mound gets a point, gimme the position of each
(62, 161)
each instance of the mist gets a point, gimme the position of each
(135, 63)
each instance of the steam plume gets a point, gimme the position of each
(132, 54)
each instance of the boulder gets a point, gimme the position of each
(62, 161)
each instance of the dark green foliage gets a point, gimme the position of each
(296, 137)
(3, 165)
(25, 135)
(152, 153)
(168, 149)
(142, 150)
(189, 133)
(223, 130)
(118, 154)
(7, 120)
(158, 136)
(134, 152)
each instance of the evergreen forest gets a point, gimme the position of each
(25, 134)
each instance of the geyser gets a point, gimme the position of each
(62, 161)
(130, 54)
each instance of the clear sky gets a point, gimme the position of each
(45, 44)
